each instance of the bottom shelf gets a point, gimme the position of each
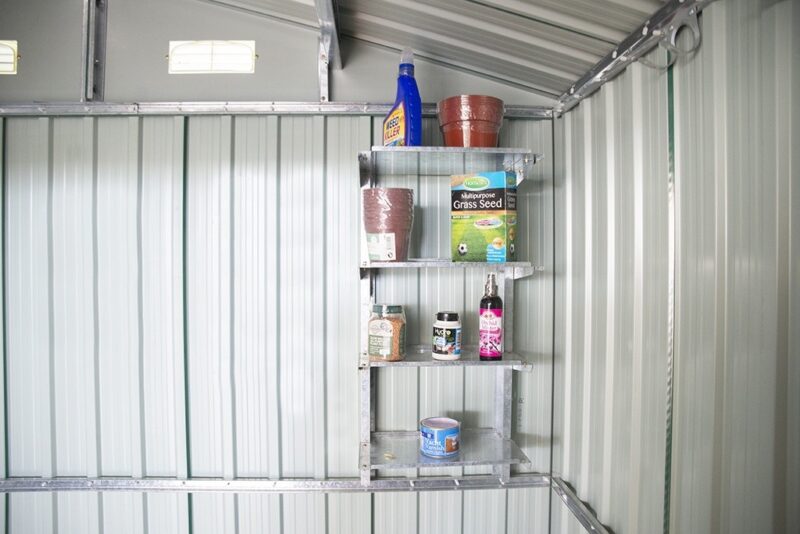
(479, 446)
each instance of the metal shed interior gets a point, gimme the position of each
(181, 286)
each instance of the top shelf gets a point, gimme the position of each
(446, 161)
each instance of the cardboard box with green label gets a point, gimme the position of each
(483, 217)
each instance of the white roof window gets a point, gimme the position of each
(8, 57)
(212, 57)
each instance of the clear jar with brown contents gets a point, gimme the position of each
(387, 333)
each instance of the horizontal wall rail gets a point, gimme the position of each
(341, 485)
(232, 108)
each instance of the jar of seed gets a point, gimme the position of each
(386, 333)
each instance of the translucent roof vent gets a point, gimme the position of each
(8, 57)
(212, 57)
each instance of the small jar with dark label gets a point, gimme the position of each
(447, 336)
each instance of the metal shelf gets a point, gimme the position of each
(479, 446)
(420, 356)
(447, 161)
(490, 447)
(516, 269)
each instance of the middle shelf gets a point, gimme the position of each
(420, 356)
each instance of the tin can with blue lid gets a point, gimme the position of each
(439, 437)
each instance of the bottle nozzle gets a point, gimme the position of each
(407, 56)
(491, 285)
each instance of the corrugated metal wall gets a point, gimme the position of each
(612, 203)
(736, 460)
(179, 301)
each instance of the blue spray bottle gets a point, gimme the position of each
(403, 125)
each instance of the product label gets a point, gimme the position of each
(483, 217)
(379, 340)
(447, 341)
(439, 442)
(490, 325)
(381, 247)
(394, 127)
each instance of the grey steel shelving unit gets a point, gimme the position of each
(480, 446)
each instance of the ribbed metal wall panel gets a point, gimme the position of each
(736, 459)
(118, 319)
(28, 363)
(4, 449)
(180, 304)
(611, 236)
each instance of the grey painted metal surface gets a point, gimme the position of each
(136, 65)
(539, 49)
(287, 67)
(611, 300)
(540, 46)
(150, 257)
(736, 455)
(47, 71)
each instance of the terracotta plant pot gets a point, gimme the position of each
(390, 211)
(470, 120)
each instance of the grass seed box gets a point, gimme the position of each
(483, 217)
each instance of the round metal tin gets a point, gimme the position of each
(439, 437)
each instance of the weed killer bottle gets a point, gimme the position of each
(490, 321)
(403, 125)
